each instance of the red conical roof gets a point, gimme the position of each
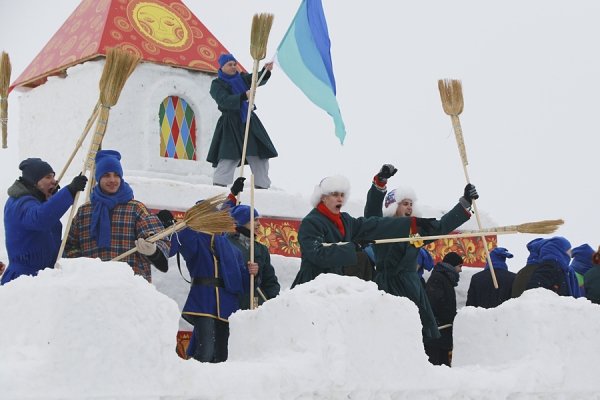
(163, 32)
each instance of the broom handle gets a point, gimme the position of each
(252, 239)
(154, 238)
(463, 155)
(436, 237)
(249, 115)
(101, 123)
(86, 130)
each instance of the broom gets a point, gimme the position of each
(118, 67)
(252, 300)
(5, 70)
(259, 35)
(452, 103)
(206, 217)
(539, 227)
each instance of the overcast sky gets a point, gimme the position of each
(529, 73)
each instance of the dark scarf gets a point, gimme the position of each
(102, 205)
(335, 218)
(238, 86)
(449, 271)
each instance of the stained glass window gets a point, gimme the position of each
(177, 129)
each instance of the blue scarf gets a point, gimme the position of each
(238, 86)
(102, 205)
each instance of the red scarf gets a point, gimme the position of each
(335, 218)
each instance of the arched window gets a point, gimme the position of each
(177, 129)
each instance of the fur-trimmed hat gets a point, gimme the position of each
(241, 214)
(328, 185)
(225, 58)
(390, 205)
(34, 169)
(108, 161)
(453, 259)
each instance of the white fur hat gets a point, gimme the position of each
(330, 184)
(390, 205)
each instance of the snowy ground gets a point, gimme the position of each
(93, 330)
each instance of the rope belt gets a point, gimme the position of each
(217, 282)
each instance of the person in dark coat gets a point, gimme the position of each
(325, 226)
(265, 279)
(397, 262)
(219, 277)
(591, 280)
(482, 292)
(524, 274)
(32, 218)
(230, 90)
(442, 296)
(553, 272)
(581, 263)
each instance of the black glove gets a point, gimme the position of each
(77, 184)
(361, 244)
(386, 172)
(166, 218)
(470, 193)
(238, 186)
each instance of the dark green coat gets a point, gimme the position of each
(266, 279)
(591, 283)
(397, 262)
(228, 138)
(317, 229)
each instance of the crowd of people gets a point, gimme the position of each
(222, 266)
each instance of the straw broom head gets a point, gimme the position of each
(452, 97)
(5, 71)
(119, 65)
(541, 227)
(207, 217)
(259, 36)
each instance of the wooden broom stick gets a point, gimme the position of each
(5, 71)
(86, 130)
(259, 36)
(206, 216)
(252, 239)
(117, 69)
(453, 104)
(540, 227)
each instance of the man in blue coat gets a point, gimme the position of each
(219, 277)
(32, 218)
(482, 292)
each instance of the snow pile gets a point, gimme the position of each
(550, 338)
(88, 328)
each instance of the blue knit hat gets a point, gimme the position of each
(108, 161)
(582, 258)
(499, 256)
(241, 214)
(34, 169)
(534, 250)
(225, 58)
(556, 249)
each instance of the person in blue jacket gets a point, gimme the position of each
(32, 218)
(482, 292)
(219, 277)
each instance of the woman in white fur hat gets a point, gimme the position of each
(397, 262)
(326, 223)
